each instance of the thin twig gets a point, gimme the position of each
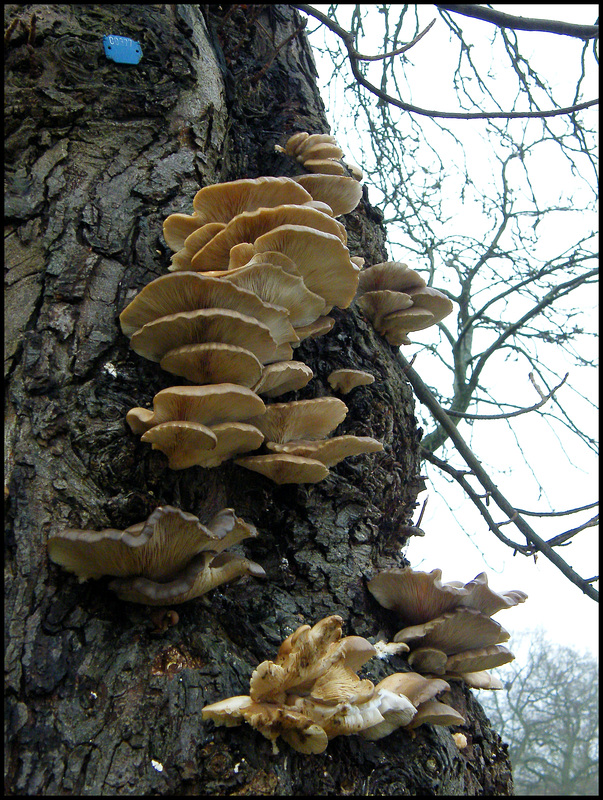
(425, 396)
(503, 20)
(509, 414)
(399, 51)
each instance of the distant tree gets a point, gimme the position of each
(548, 713)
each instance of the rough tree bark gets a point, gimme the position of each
(98, 154)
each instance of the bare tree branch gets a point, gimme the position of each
(425, 396)
(347, 39)
(503, 20)
(509, 414)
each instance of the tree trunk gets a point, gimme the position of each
(98, 154)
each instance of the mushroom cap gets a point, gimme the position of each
(208, 405)
(157, 338)
(357, 651)
(397, 325)
(339, 192)
(203, 573)
(178, 227)
(315, 329)
(271, 257)
(324, 166)
(344, 380)
(455, 631)
(329, 451)
(191, 291)
(389, 275)
(416, 596)
(233, 438)
(436, 713)
(428, 660)
(223, 201)
(478, 680)
(414, 686)
(340, 684)
(319, 150)
(494, 655)
(283, 376)
(312, 739)
(292, 143)
(227, 712)
(182, 442)
(432, 300)
(378, 304)
(481, 597)
(301, 419)
(397, 711)
(282, 468)
(250, 225)
(274, 285)
(322, 259)
(213, 362)
(156, 548)
(181, 260)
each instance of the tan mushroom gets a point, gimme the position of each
(281, 377)
(223, 201)
(431, 300)
(392, 275)
(324, 166)
(191, 291)
(201, 575)
(339, 192)
(455, 631)
(329, 451)
(481, 597)
(326, 150)
(479, 659)
(178, 227)
(344, 380)
(436, 713)
(415, 687)
(208, 405)
(172, 551)
(282, 468)
(395, 327)
(397, 711)
(181, 260)
(182, 442)
(155, 339)
(477, 680)
(301, 419)
(416, 596)
(379, 304)
(321, 258)
(428, 660)
(213, 362)
(250, 225)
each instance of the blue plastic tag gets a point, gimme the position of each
(122, 50)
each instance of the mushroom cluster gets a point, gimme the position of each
(319, 153)
(311, 693)
(169, 558)
(397, 301)
(257, 268)
(449, 626)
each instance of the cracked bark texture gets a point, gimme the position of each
(98, 154)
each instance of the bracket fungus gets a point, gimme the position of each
(169, 558)
(449, 628)
(344, 380)
(311, 693)
(317, 152)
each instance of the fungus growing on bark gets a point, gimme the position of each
(213, 362)
(191, 291)
(155, 339)
(340, 193)
(379, 304)
(315, 329)
(208, 405)
(283, 376)
(436, 713)
(182, 442)
(312, 687)
(284, 468)
(344, 380)
(300, 419)
(169, 558)
(329, 451)
(392, 275)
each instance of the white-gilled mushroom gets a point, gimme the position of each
(344, 380)
(155, 339)
(171, 550)
(208, 405)
(416, 596)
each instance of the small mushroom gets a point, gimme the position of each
(455, 631)
(282, 377)
(428, 660)
(436, 713)
(213, 362)
(477, 680)
(182, 442)
(392, 275)
(344, 380)
(317, 328)
(481, 658)
(282, 468)
(397, 711)
(339, 192)
(329, 451)
(379, 304)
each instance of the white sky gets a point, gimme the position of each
(457, 539)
